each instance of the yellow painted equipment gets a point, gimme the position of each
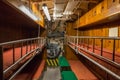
(52, 62)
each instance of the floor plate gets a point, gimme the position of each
(52, 74)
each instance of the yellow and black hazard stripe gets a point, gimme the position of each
(52, 62)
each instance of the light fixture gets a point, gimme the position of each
(45, 9)
(25, 10)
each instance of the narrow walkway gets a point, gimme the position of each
(52, 74)
(81, 71)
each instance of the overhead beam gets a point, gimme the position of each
(40, 0)
(93, 1)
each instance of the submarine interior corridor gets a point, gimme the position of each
(59, 39)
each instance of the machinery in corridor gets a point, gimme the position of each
(55, 41)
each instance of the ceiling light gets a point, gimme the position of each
(28, 13)
(68, 13)
(45, 9)
(58, 15)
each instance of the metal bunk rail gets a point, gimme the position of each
(86, 40)
(75, 45)
(100, 66)
(33, 44)
(117, 38)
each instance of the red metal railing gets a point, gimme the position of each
(16, 52)
(87, 44)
